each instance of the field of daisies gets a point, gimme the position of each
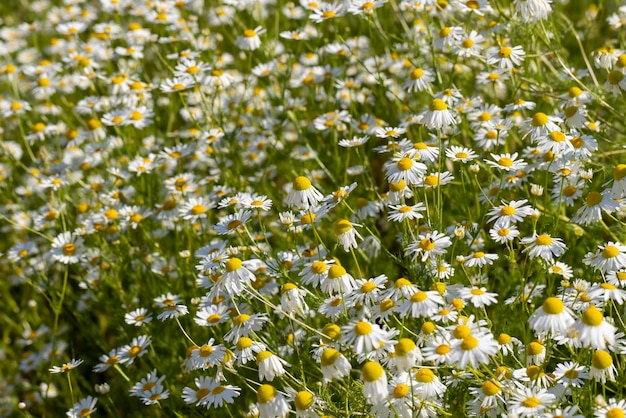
(272, 208)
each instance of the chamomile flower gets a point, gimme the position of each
(533, 10)
(303, 194)
(438, 116)
(506, 57)
(461, 154)
(595, 203)
(374, 382)
(363, 336)
(609, 257)
(422, 304)
(530, 402)
(553, 317)
(83, 408)
(593, 330)
(138, 317)
(602, 367)
(429, 245)
(271, 403)
(67, 248)
(327, 11)
(403, 168)
(270, 365)
(507, 162)
(334, 365)
(346, 234)
(419, 79)
(544, 246)
(249, 40)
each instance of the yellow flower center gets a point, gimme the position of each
(442, 349)
(505, 52)
(405, 164)
(531, 402)
(615, 77)
(505, 162)
(198, 209)
(615, 413)
(240, 319)
(539, 119)
(342, 226)
(69, 249)
(593, 198)
(543, 239)
(265, 393)
(418, 297)
(249, 33)
(437, 105)
(303, 400)
(301, 183)
(404, 346)
(329, 356)
(363, 328)
(469, 343)
(468, 43)
(610, 251)
(233, 264)
(601, 360)
(553, 306)
(400, 391)
(335, 271)
(491, 388)
(432, 180)
(425, 376)
(427, 244)
(592, 316)
(462, 331)
(417, 73)
(372, 371)
(619, 172)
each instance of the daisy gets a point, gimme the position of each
(303, 194)
(374, 382)
(83, 408)
(305, 403)
(593, 330)
(403, 168)
(430, 245)
(346, 234)
(233, 223)
(618, 189)
(553, 317)
(137, 348)
(405, 212)
(461, 154)
(66, 367)
(246, 350)
(363, 336)
(606, 292)
(480, 259)
(479, 297)
(364, 7)
(327, 11)
(438, 116)
(473, 349)
(611, 409)
(150, 389)
(367, 292)
(419, 79)
(595, 203)
(533, 10)
(610, 257)
(540, 125)
(507, 162)
(544, 246)
(428, 385)
(422, 304)
(469, 45)
(503, 233)
(195, 209)
(271, 403)
(530, 402)
(67, 248)
(244, 325)
(617, 278)
(570, 374)
(210, 393)
(506, 57)
(250, 40)
(334, 365)
(602, 367)
(138, 317)
(270, 365)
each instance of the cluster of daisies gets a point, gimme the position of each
(268, 208)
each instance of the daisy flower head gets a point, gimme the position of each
(530, 402)
(327, 11)
(609, 257)
(480, 259)
(67, 248)
(474, 349)
(533, 10)
(422, 304)
(364, 336)
(249, 40)
(407, 355)
(346, 234)
(335, 365)
(611, 409)
(405, 212)
(469, 45)
(507, 162)
(595, 203)
(540, 125)
(570, 374)
(618, 189)
(544, 246)
(553, 317)
(506, 57)
(478, 296)
(303, 194)
(270, 365)
(503, 232)
(83, 408)
(66, 367)
(461, 154)
(428, 384)
(510, 213)
(210, 392)
(438, 116)
(602, 367)
(593, 330)
(364, 7)
(374, 382)
(404, 168)
(429, 245)
(419, 79)
(271, 403)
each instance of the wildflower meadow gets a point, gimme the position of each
(273, 208)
